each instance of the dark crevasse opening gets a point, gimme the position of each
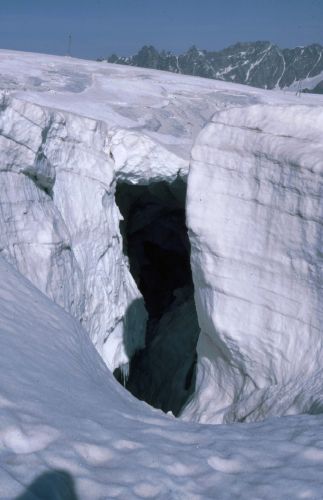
(158, 249)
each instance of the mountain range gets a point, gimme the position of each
(259, 64)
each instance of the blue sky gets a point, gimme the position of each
(101, 27)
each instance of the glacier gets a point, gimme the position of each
(73, 135)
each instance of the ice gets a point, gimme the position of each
(140, 160)
(59, 223)
(254, 209)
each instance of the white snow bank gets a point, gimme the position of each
(61, 409)
(255, 221)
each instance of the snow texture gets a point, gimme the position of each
(61, 410)
(68, 130)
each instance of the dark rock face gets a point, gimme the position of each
(260, 64)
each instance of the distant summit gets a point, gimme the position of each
(260, 64)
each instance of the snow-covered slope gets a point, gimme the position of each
(68, 430)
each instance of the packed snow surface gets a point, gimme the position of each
(61, 410)
(69, 131)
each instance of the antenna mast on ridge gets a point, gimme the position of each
(69, 45)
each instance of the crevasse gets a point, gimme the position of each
(254, 221)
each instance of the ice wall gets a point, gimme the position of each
(255, 219)
(59, 224)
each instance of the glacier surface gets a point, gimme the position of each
(70, 130)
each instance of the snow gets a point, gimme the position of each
(307, 83)
(140, 160)
(169, 108)
(69, 130)
(61, 410)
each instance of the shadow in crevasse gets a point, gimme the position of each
(163, 373)
(134, 325)
(52, 485)
(156, 244)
